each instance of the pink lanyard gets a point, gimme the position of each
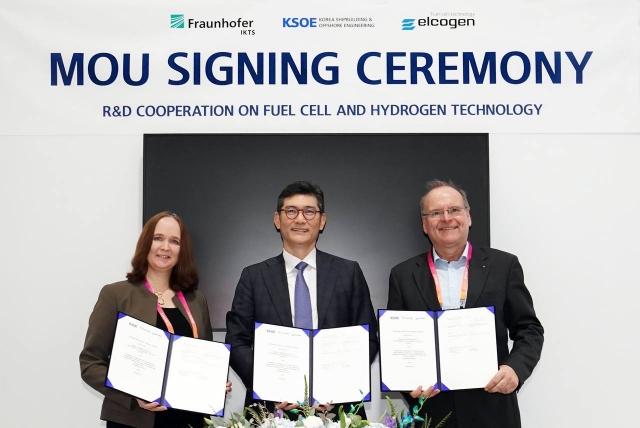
(164, 317)
(465, 278)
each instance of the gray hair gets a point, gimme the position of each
(434, 184)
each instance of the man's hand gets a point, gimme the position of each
(323, 407)
(426, 393)
(505, 381)
(152, 407)
(286, 406)
(319, 408)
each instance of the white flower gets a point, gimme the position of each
(278, 423)
(313, 421)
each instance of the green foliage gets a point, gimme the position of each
(441, 424)
(257, 415)
(392, 408)
(305, 406)
(406, 419)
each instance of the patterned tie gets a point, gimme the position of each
(302, 300)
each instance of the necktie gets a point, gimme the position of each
(302, 300)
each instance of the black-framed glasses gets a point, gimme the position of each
(308, 213)
(438, 214)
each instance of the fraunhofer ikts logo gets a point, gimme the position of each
(245, 26)
(177, 21)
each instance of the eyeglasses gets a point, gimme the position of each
(438, 214)
(308, 213)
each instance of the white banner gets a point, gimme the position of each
(119, 67)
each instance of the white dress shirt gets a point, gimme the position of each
(450, 275)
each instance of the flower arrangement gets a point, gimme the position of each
(314, 416)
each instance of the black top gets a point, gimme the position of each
(172, 418)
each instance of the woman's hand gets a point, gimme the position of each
(228, 387)
(152, 407)
(425, 393)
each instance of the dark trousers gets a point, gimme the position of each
(171, 419)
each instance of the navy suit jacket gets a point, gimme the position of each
(495, 279)
(262, 295)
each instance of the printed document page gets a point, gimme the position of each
(468, 353)
(138, 359)
(407, 350)
(197, 376)
(280, 363)
(341, 371)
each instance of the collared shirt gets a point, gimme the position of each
(450, 275)
(310, 274)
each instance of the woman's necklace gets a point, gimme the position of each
(159, 295)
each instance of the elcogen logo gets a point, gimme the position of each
(442, 20)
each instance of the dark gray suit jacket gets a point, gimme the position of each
(495, 279)
(262, 295)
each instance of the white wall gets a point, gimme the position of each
(567, 205)
(70, 210)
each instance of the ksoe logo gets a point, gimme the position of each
(299, 22)
(177, 21)
(408, 24)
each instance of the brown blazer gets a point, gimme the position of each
(134, 300)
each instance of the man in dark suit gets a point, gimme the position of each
(495, 278)
(338, 292)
